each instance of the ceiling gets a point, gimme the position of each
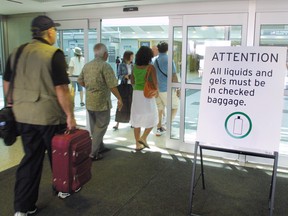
(29, 6)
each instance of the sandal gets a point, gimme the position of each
(140, 149)
(144, 143)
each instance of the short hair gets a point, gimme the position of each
(39, 34)
(162, 47)
(127, 55)
(143, 56)
(100, 49)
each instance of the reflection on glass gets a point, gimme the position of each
(68, 40)
(128, 34)
(192, 98)
(92, 40)
(177, 52)
(274, 35)
(199, 37)
(284, 128)
(175, 113)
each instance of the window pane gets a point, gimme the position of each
(67, 40)
(274, 35)
(92, 38)
(175, 113)
(177, 52)
(199, 37)
(277, 35)
(192, 99)
(120, 35)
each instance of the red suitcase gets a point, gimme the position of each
(71, 164)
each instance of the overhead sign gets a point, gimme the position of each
(242, 98)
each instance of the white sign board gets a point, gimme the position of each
(242, 98)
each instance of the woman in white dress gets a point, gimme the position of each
(143, 110)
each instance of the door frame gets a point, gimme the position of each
(186, 21)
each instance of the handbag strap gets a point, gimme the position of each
(160, 68)
(13, 74)
(148, 72)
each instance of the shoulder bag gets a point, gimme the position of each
(8, 129)
(150, 90)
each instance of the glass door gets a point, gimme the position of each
(196, 33)
(272, 30)
(74, 39)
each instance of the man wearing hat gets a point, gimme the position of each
(75, 67)
(41, 105)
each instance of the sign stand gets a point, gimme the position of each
(194, 183)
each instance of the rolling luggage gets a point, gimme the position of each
(71, 164)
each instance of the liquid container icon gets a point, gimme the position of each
(238, 125)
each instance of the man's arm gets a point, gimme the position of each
(80, 79)
(61, 81)
(64, 99)
(81, 82)
(116, 93)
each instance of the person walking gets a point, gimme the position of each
(143, 110)
(161, 65)
(75, 67)
(125, 89)
(99, 80)
(42, 107)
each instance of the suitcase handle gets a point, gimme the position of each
(67, 132)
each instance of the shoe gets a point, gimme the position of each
(20, 214)
(82, 104)
(104, 150)
(141, 141)
(63, 195)
(97, 157)
(33, 211)
(140, 149)
(77, 190)
(160, 131)
(115, 128)
(30, 212)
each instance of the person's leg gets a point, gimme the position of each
(116, 126)
(48, 133)
(145, 134)
(137, 132)
(80, 90)
(160, 107)
(173, 114)
(175, 105)
(99, 127)
(29, 172)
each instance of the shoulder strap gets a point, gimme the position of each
(160, 68)
(11, 83)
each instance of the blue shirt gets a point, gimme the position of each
(163, 64)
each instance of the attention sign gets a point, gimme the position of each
(242, 98)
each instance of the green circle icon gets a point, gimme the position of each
(237, 130)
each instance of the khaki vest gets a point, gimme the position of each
(34, 97)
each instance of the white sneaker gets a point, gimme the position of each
(20, 214)
(33, 211)
(63, 195)
(160, 131)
